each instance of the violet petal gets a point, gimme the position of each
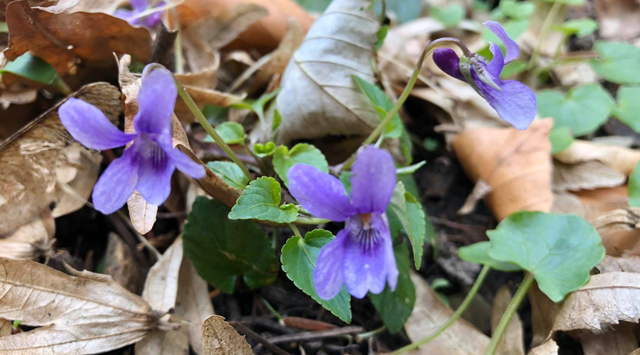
(327, 277)
(373, 178)
(497, 63)
(448, 61)
(156, 100)
(182, 161)
(512, 47)
(516, 103)
(154, 182)
(139, 5)
(319, 193)
(89, 126)
(381, 223)
(117, 183)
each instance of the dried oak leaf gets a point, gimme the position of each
(90, 41)
(32, 240)
(586, 175)
(219, 338)
(515, 164)
(31, 159)
(85, 314)
(193, 303)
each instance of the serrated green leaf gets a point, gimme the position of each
(449, 15)
(412, 218)
(579, 27)
(299, 257)
(34, 69)
(478, 254)
(618, 62)
(560, 139)
(517, 10)
(230, 132)
(394, 307)
(221, 250)
(582, 110)
(264, 150)
(558, 250)
(408, 170)
(633, 188)
(230, 173)
(383, 105)
(302, 153)
(261, 200)
(628, 109)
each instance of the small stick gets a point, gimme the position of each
(257, 337)
(307, 324)
(308, 336)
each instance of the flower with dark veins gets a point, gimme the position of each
(145, 166)
(513, 101)
(138, 7)
(361, 255)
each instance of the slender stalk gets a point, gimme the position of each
(407, 90)
(553, 12)
(177, 46)
(508, 314)
(295, 230)
(311, 220)
(207, 127)
(463, 307)
(363, 336)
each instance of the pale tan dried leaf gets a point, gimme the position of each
(635, 352)
(480, 190)
(161, 287)
(319, 98)
(193, 303)
(223, 27)
(516, 164)
(619, 231)
(586, 175)
(618, 19)
(543, 312)
(204, 96)
(575, 74)
(513, 339)
(617, 340)
(121, 265)
(30, 158)
(627, 263)
(160, 342)
(6, 327)
(71, 6)
(548, 348)
(566, 202)
(605, 300)
(85, 314)
(601, 201)
(31, 241)
(428, 314)
(75, 187)
(531, 39)
(142, 214)
(619, 158)
(17, 97)
(219, 338)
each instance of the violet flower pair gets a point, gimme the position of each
(139, 6)
(145, 166)
(513, 101)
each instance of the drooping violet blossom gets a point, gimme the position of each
(361, 255)
(514, 102)
(147, 165)
(138, 7)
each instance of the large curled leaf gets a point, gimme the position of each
(412, 218)
(261, 201)
(583, 109)
(222, 249)
(319, 98)
(617, 62)
(559, 250)
(394, 307)
(302, 153)
(299, 257)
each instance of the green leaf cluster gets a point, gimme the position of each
(302, 153)
(261, 201)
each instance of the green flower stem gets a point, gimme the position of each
(311, 220)
(179, 59)
(553, 12)
(407, 90)
(295, 230)
(363, 336)
(463, 307)
(508, 314)
(207, 127)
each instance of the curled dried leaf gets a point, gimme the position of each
(586, 175)
(619, 158)
(31, 241)
(219, 338)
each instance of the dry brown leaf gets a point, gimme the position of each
(627, 263)
(619, 231)
(532, 36)
(575, 74)
(21, 97)
(265, 35)
(121, 265)
(543, 312)
(32, 240)
(76, 179)
(143, 215)
(29, 160)
(601, 201)
(6, 327)
(219, 338)
(617, 340)
(92, 39)
(217, 31)
(605, 300)
(85, 314)
(513, 340)
(635, 352)
(619, 158)
(586, 175)
(515, 164)
(548, 348)
(478, 193)
(566, 202)
(618, 19)
(428, 314)
(160, 342)
(70, 6)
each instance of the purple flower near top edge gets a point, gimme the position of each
(147, 165)
(361, 255)
(139, 6)
(515, 103)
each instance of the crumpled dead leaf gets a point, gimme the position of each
(70, 6)
(548, 348)
(619, 158)
(586, 175)
(627, 263)
(548, 45)
(122, 266)
(6, 327)
(515, 164)
(32, 240)
(618, 19)
(82, 314)
(219, 338)
(617, 340)
(31, 159)
(319, 97)
(620, 231)
(513, 339)
(92, 39)
(193, 303)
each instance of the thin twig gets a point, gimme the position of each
(309, 336)
(257, 337)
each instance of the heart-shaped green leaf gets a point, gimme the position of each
(559, 250)
(261, 200)
(517, 10)
(302, 153)
(230, 173)
(618, 62)
(628, 110)
(449, 15)
(230, 132)
(478, 254)
(560, 139)
(299, 257)
(221, 250)
(579, 27)
(583, 109)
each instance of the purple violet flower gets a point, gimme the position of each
(147, 165)
(515, 102)
(361, 255)
(140, 6)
